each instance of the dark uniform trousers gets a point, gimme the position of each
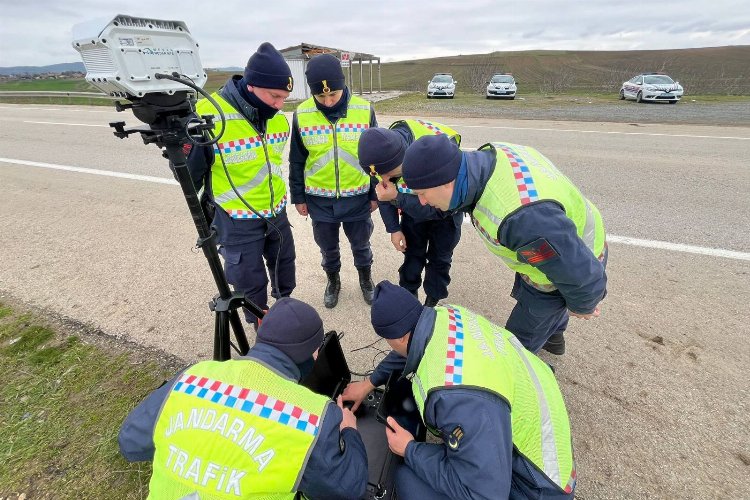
(537, 315)
(429, 247)
(358, 233)
(246, 271)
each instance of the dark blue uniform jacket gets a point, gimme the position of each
(337, 466)
(321, 208)
(578, 275)
(485, 465)
(409, 203)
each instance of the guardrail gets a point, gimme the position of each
(49, 93)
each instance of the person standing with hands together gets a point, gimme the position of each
(325, 180)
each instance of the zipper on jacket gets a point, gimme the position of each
(270, 171)
(336, 159)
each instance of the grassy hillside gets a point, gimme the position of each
(704, 71)
(714, 70)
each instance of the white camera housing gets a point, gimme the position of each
(123, 55)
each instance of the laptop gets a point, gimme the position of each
(330, 374)
(329, 377)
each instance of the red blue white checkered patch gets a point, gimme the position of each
(455, 356)
(266, 213)
(248, 401)
(431, 126)
(524, 181)
(315, 130)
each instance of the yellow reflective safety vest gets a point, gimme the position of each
(253, 161)
(332, 168)
(467, 351)
(234, 429)
(522, 176)
(421, 128)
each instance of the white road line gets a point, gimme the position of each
(72, 124)
(678, 247)
(606, 132)
(107, 109)
(611, 238)
(94, 171)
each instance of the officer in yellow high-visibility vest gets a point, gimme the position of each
(245, 428)
(495, 405)
(532, 217)
(325, 180)
(249, 156)
(425, 235)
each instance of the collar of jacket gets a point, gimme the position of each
(274, 358)
(419, 338)
(479, 168)
(232, 95)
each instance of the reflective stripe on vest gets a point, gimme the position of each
(420, 128)
(234, 429)
(253, 161)
(522, 175)
(468, 351)
(332, 167)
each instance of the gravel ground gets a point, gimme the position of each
(567, 108)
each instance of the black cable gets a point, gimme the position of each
(175, 77)
(267, 221)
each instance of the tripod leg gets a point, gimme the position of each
(221, 340)
(239, 332)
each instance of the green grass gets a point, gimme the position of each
(63, 401)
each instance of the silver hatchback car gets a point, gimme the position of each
(652, 87)
(441, 85)
(502, 85)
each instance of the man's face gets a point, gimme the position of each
(437, 197)
(272, 97)
(329, 99)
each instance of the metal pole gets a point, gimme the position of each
(380, 83)
(361, 77)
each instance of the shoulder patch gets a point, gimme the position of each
(454, 438)
(537, 252)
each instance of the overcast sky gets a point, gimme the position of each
(38, 32)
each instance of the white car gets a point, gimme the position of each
(652, 87)
(441, 85)
(502, 85)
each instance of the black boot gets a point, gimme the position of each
(431, 301)
(555, 344)
(333, 287)
(366, 284)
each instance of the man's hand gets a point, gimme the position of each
(594, 314)
(399, 241)
(301, 209)
(373, 206)
(386, 190)
(347, 416)
(398, 438)
(357, 391)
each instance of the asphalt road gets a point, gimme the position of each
(656, 387)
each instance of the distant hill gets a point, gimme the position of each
(36, 70)
(710, 70)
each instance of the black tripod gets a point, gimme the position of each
(170, 122)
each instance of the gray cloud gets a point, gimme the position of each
(39, 32)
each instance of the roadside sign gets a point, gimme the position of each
(346, 59)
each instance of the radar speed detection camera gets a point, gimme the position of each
(123, 56)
